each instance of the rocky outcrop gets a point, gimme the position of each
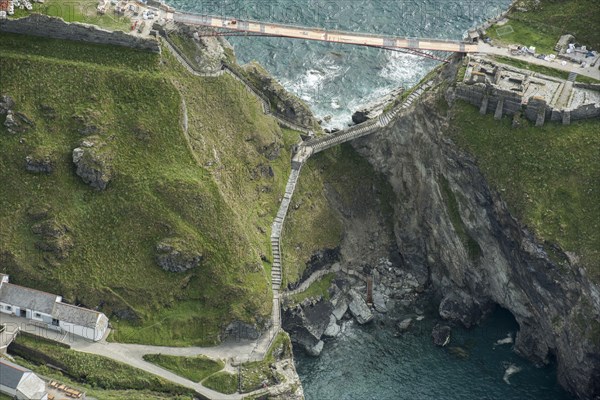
(15, 122)
(307, 323)
(555, 304)
(285, 103)
(177, 255)
(441, 335)
(359, 308)
(93, 159)
(241, 330)
(375, 108)
(40, 161)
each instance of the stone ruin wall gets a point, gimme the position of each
(504, 102)
(57, 28)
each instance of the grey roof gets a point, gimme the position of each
(11, 374)
(75, 315)
(23, 297)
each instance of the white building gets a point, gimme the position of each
(49, 311)
(20, 383)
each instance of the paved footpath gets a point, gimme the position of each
(132, 354)
(591, 72)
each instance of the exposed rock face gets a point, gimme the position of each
(306, 324)
(359, 308)
(6, 103)
(374, 109)
(39, 163)
(333, 329)
(241, 330)
(286, 104)
(93, 159)
(441, 335)
(557, 308)
(176, 255)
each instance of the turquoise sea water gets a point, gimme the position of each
(370, 363)
(335, 80)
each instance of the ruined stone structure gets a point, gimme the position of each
(505, 90)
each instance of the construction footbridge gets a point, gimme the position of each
(413, 45)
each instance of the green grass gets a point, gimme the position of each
(586, 79)
(549, 176)
(525, 34)
(78, 11)
(213, 187)
(222, 382)
(552, 18)
(253, 374)
(192, 368)
(91, 369)
(316, 289)
(83, 54)
(532, 67)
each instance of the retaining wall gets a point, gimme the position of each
(57, 28)
(537, 110)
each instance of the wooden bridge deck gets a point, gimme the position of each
(323, 35)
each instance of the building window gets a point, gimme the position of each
(54, 322)
(37, 315)
(9, 308)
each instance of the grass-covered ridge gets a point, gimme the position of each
(549, 176)
(221, 195)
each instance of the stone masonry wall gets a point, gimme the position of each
(57, 28)
(487, 98)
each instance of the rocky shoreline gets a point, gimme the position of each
(398, 299)
(431, 266)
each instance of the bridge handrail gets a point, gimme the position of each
(328, 31)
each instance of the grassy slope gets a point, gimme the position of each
(106, 378)
(549, 176)
(192, 368)
(316, 289)
(159, 190)
(546, 20)
(222, 382)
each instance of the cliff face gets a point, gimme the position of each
(456, 234)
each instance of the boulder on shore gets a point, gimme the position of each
(359, 308)
(333, 329)
(404, 325)
(441, 335)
